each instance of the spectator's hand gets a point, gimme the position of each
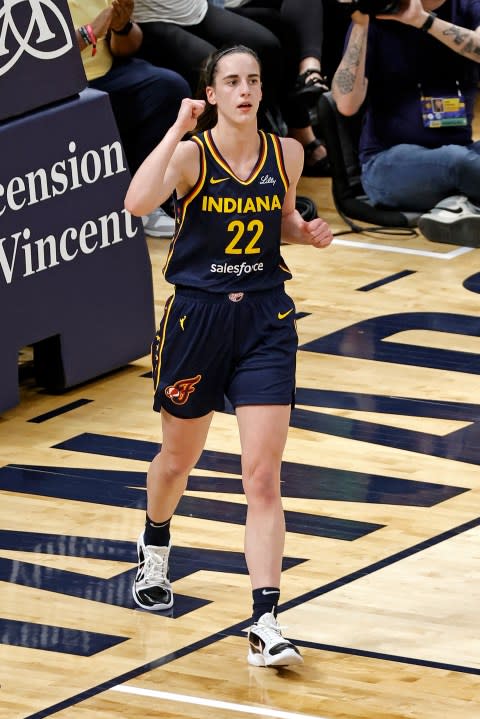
(317, 233)
(360, 18)
(101, 24)
(122, 12)
(190, 111)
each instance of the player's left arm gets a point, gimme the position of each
(295, 229)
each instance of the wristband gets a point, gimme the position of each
(92, 38)
(428, 22)
(84, 35)
(124, 30)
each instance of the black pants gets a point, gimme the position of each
(298, 23)
(185, 48)
(306, 28)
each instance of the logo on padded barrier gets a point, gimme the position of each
(44, 24)
(180, 391)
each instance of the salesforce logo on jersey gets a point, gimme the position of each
(39, 58)
(61, 198)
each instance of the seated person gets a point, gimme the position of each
(299, 26)
(145, 99)
(182, 35)
(412, 156)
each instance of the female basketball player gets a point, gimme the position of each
(229, 328)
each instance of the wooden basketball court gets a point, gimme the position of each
(381, 583)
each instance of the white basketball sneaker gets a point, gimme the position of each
(152, 589)
(267, 646)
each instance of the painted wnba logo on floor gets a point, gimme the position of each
(44, 26)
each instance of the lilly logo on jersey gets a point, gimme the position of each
(180, 391)
(45, 24)
(267, 180)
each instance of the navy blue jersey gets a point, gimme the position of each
(228, 229)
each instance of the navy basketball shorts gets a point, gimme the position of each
(239, 345)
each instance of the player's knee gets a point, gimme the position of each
(262, 484)
(176, 466)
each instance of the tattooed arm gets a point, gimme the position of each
(459, 39)
(349, 84)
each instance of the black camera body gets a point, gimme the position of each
(373, 7)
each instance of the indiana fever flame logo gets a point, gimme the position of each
(25, 25)
(180, 391)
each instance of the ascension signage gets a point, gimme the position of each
(75, 274)
(39, 58)
(23, 254)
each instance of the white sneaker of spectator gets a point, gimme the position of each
(454, 220)
(158, 224)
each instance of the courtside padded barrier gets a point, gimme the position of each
(75, 274)
(39, 59)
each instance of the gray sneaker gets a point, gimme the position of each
(158, 224)
(152, 589)
(454, 221)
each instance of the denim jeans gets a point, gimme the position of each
(412, 177)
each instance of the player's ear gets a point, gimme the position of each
(210, 94)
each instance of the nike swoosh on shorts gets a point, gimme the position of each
(282, 315)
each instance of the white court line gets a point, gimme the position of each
(200, 701)
(405, 250)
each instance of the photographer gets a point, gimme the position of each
(413, 157)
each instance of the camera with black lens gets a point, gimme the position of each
(373, 7)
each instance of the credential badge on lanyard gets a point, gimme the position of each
(443, 110)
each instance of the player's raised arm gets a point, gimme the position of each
(172, 164)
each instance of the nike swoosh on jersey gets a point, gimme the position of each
(216, 180)
(282, 315)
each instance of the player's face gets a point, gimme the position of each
(237, 89)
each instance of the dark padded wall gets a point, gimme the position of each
(75, 274)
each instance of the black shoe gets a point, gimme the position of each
(310, 82)
(315, 168)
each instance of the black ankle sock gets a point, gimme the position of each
(265, 600)
(157, 534)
